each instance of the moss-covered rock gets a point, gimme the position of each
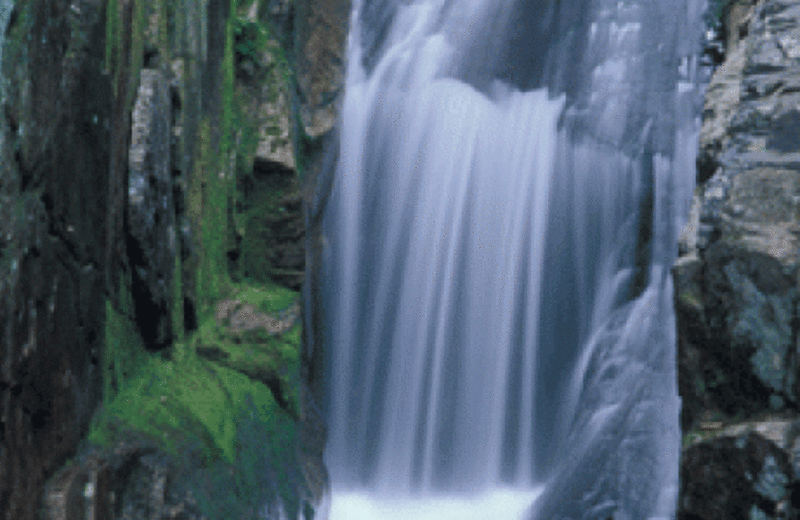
(125, 125)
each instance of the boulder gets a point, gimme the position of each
(743, 476)
(130, 481)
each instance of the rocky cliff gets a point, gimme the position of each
(152, 243)
(736, 282)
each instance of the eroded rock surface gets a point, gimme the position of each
(54, 188)
(736, 281)
(151, 210)
(111, 136)
(743, 476)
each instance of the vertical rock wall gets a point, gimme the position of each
(54, 187)
(123, 123)
(736, 282)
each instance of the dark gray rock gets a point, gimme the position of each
(728, 477)
(131, 481)
(736, 287)
(151, 211)
(54, 186)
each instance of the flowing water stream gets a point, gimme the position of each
(511, 182)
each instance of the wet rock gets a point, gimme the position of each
(131, 481)
(54, 186)
(738, 475)
(322, 34)
(241, 317)
(151, 211)
(741, 470)
(736, 289)
(248, 340)
(272, 233)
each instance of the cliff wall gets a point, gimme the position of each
(152, 243)
(736, 282)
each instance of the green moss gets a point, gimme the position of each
(166, 400)
(215, 408)
(174, 403)
(250, 38)
(715, 12)
(269, 297)
(272, 359)
(208, 202)
(137, 49)
(125, 351)
(177, 300)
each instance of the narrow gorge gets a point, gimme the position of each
(399, 259)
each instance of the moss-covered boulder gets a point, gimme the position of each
(214, 430)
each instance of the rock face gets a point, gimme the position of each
(321, 33)
(54, 188)
(322, 38)
(151, 210)
(123, 125)
(126, 482)
(736, 281)
(743, 476)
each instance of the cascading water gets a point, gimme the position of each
(511, 181)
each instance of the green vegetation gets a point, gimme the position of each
(125, 352)
(202, 408)
(715, 12)
(259, 205)
(250, 38)
(223, 402)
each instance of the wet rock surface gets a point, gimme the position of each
(151, 210)
(134, 480)
(744, 476)
(736, 281)
(110, 130)
(54, 189)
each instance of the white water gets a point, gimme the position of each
(479, 255)
(488, 505)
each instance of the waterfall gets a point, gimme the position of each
(511, 182)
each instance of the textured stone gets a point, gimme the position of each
(131, 481)
(322, 33)
(90, 163)
(736, 290)
(151, 210)
(54, 186)
(739, 473)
